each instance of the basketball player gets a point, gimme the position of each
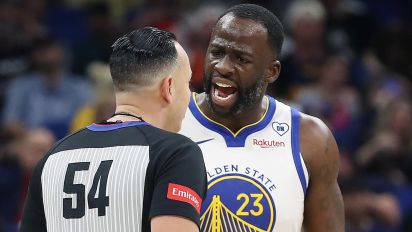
(269, 167)
(126, 174)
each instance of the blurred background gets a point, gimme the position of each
(348, 62)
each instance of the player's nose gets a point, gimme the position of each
(224, 66)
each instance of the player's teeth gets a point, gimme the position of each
(223, 85)
(222, 97)
(216, 92)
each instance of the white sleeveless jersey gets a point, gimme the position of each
(257, 179)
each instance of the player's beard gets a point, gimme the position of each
(248, 97)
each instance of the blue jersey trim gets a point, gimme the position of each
(296, 148)
(238, 139)
(109, 127)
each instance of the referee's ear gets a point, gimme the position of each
(166, 89)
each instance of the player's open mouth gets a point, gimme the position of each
(224, 93)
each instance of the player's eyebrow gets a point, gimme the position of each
(222, 44)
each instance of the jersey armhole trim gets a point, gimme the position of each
(295, 133)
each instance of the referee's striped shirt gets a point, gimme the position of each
(115, 177)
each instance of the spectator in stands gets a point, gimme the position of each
(49, 96)
(10, 177)
(194, 32)
(384, 160)
(305, 49)
(332, 99)
(101, 32)
(31, 148)
(368, 211)
(17, 159)
(392, 135)
(103, 104)
(19, 27)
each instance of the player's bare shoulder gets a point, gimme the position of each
(318, 146)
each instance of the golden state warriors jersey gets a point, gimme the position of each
(257, 179)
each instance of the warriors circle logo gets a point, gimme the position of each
(236, 202)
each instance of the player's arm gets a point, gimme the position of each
(171, 223)
(324, 210)
(179, 190)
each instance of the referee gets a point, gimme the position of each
(129, 173)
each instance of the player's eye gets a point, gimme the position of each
(216, 53)
(242, 60)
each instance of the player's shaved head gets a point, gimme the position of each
(262, 16)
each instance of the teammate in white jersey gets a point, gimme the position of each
(269, 167)
(127, 173)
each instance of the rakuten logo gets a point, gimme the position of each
(185, 194)
(263, 143)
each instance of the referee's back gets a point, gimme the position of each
(115, 177)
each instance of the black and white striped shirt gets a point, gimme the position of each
(115, 177)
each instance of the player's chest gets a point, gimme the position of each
(255, 187)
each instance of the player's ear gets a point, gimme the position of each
(166, 86)
(273, 71)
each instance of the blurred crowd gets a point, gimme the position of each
(348, 62)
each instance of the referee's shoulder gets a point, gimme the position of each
(167, 137)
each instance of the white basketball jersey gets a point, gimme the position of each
(257, 179)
